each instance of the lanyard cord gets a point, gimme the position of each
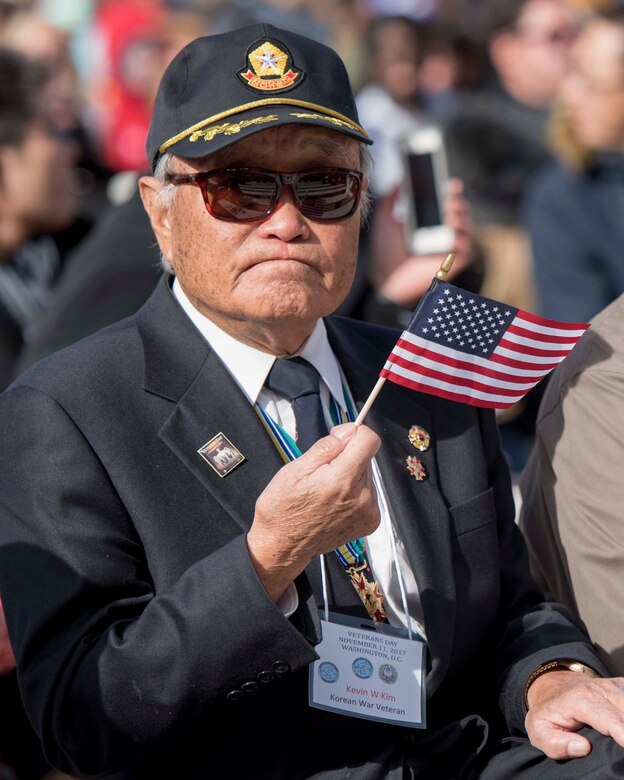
(351, 554)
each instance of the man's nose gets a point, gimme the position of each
(286, 222)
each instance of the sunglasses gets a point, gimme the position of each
(251, 194)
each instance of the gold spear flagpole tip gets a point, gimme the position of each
(445, 267)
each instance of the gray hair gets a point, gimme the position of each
(165, 197)
(164, 168)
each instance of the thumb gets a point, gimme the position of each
(558, 743)
(325, 450)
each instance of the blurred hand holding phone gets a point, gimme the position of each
(413, 228)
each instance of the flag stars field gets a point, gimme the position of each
(477, 351)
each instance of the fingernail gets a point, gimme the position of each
(577, 747)
(345, 431)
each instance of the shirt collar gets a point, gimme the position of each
(250, 366)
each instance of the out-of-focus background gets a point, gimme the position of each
(528, 96)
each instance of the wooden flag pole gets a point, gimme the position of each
(441, 277)
(369, 401)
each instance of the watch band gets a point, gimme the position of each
(562, 664)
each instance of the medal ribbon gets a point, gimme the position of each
(352, 555)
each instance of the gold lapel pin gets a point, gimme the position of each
(419, 438)
(416, 468)
(221, 454)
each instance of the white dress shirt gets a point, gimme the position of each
(249, 368)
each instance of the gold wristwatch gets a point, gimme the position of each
(563, 664)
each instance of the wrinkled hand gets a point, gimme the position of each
(561, 702)
(314, 504)
(404, 278)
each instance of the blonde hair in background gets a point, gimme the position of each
(564, 144)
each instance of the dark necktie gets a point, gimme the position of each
(298, 381)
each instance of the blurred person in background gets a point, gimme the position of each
(38, 209)
(129, 36)
(575, 207)
(452, 64)
(496, 140)
(32, 31)
(389, 105)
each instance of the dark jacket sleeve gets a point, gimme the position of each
(107, 667)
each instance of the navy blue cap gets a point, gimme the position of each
(222, 88)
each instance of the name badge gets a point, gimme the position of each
(371, 671)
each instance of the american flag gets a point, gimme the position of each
(475, 350)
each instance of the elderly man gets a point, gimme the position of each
(168, 567)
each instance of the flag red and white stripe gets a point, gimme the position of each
(475, 350)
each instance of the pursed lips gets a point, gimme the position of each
(277, 259)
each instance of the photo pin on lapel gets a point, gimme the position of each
(221, 454)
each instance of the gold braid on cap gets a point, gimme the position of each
(260, 104)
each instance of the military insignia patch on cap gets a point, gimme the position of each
(269, 67)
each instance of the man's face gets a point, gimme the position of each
(396, 61)
(284, 269)
(538, 50)
(593, 91)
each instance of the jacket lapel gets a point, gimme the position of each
(207, 402)
(213, 404)
(418, 508)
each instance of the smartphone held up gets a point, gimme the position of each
(424, 185)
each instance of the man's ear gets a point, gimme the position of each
(158, 213)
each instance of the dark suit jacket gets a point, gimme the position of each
(142, 631)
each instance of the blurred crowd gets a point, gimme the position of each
(528, 94)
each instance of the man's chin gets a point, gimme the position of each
(290, 300)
